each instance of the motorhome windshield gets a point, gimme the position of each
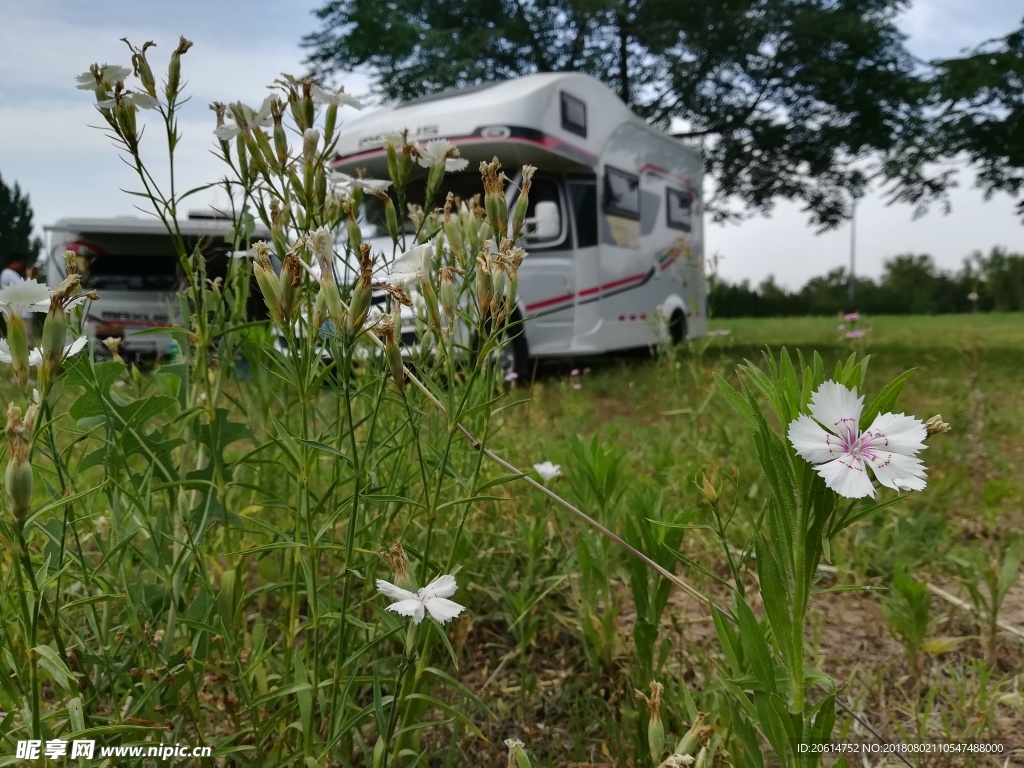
(131, 272)
(133, 262)
(462, 185)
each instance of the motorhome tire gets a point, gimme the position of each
(677, 327)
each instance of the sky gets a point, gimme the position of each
(70, 169)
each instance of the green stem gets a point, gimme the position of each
(31, 625)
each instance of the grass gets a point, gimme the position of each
(672, 427)
(562, 628)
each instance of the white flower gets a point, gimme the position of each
(140, 100)
(547, 470)
(35, 356)
(336, 98)
(26, 296)
(251, 118)
(108, 73)
(973, 296)
(841, 453)
(344, 183)
(412, 266)
(440, 151)
(431, 599)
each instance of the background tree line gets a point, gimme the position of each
(812, 101)
(16, 227)
(910, 284)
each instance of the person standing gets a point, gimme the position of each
(11, 275)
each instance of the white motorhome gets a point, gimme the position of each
(615, 204)
(133, 266)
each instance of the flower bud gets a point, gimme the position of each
(483, 283)
(320, 191)
(267, 280)
(323, 250)
(399, 565)
(696, 737)
(330, 121)
(264, 149)
(19, 478)
(392, 155)
(113, 346)
(290, 281)
(710, 493)
(386, 328)
(174, 69)
(17, 343)
(71, 263)
(310, 145)
(517, 757)
(655, 728)
(280, 143)
(391, 217)
(53, 354)
(355, 236)
(494, 197)
(359, 306)
(141, 65)
(498, 281)
(523, 201)
(434, 177)
(936, 426)
(447, 293)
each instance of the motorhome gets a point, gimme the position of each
(132, 264)
(616, 256)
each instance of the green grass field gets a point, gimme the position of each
(669, 423)
(201, 574)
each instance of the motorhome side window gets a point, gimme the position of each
(574, 115)
(680, 209)
(621, 193)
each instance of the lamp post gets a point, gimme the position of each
(851, 284)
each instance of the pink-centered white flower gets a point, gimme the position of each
(831, 439)
(432, 599)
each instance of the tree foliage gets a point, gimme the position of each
(910, 284)
(981, 98)
(791, 99)
(16, 225)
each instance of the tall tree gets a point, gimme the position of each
(791, 99)
(981, 105)
(16, 225)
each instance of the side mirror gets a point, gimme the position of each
(546, 222)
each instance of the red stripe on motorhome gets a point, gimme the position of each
(586, 292)
(549, 142)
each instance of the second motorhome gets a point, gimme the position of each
(616, 259)
(132, 265)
